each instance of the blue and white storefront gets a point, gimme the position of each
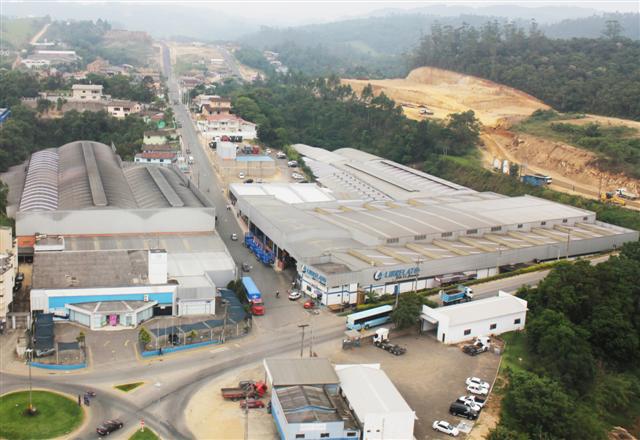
(101, 307)
(331, 287)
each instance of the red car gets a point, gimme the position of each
(251, 403)
(309, 304)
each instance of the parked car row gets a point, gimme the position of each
(468, 406)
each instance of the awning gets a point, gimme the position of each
(429, 319)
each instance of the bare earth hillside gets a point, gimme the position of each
(498, 107)
(445, 92)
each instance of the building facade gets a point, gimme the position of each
(218, 125)
(8, 270)
(87, 92)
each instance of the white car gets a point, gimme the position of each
(292, 164)
(472, 399)
(470, 403)
(445, 427)
(294, 295)
(281, 155)
(477, 389)
(297, 176)
(241, 175)
(234, 237)
(268, 151)
(477, 381)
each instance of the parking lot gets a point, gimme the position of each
(429, 376)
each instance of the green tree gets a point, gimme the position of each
(408, 310)
(540, 408)
(563, 350)
(144, 336)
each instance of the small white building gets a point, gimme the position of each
(86, 92)
(156, 157)
(378, 405)
(489, 316)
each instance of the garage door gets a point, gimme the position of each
(194, 308)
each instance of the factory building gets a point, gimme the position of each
(373, 225)
(114, 243)
(306, 402)
(462, 322)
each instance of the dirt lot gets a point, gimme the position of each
(203, 52)
(430, 376)
(446, 92)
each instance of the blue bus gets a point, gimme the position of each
(369, 318)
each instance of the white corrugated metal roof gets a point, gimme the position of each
(478, 310)
(370, 391)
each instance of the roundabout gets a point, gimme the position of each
(53, 415)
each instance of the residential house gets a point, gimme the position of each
(119, 108)
(86, 92)
(157, 157)
(157, 137)
(216, 106)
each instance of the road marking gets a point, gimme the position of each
(126, 342)
(106, 343)
(218, 350)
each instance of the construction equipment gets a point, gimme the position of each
(381, 340)
(612, 198)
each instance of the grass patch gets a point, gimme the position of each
(146, 435)
(126, 387)
(515, 356)
(57, 415)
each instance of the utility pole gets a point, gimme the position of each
(310, 341)
(246, 416)
(224, 326)
(302, 326)
(568, 240)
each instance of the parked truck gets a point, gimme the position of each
(536, 179)
(254, 297)
(244, 390)
(381, 340)
(462, 294)
(612, 198)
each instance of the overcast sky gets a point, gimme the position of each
(309, 10)
(287, 12)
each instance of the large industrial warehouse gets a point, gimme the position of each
(114, 243)
(377, 226)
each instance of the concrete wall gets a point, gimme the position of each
(230, 168)
(454, 334)
(397, 426)
(115, 221)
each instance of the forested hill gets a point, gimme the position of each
(599, 76)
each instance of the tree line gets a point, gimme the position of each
(25, 133)
(579, 372)
(323, 112)
(578, 75)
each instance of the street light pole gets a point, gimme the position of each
(302, 326)
(29, 352)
